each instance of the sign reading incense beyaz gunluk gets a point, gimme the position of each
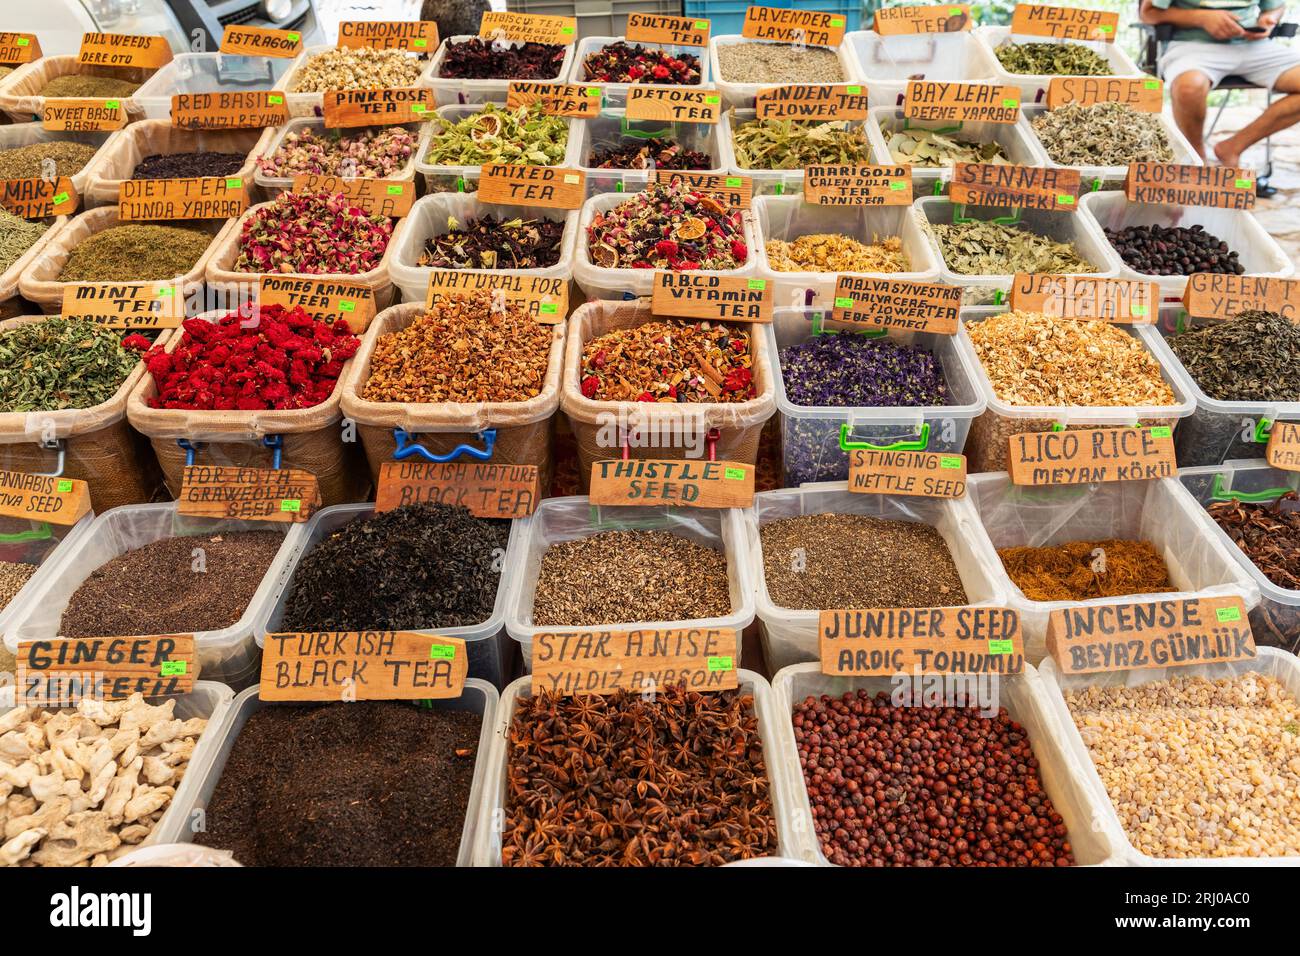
(600, 661)
(1063, 23)
(726, 190)
(205, 197)
(1175, 184)
(386, 107)
(528, 27)
(125, 305)
(1283, 449)
(362, 665)
(812, 101)
(105, 668)
(282, 495)
(849, 184)
(62, 501)
(74, 115)
(122, 49)
(720, 298)
(326, 300)
(245, 109)
(487, 490)
(261, 41)
(693, 483)
(1144, 94)
(1085, 455)
(961, 102)
(1213, 296)
(557, 99)
(554, 187)
(1020, 187)
(546, 299)
(942, 18)
(793, 26)
(672, 31)
(417, 36)
(897, 304)
(1122, 301)
(923, 640)
(673, 104)
(18, 48)
(921, 474)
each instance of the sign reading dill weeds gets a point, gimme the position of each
(62, 671)
(362, 665)
(930, 640)
(643, 660)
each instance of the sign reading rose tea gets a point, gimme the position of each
(418, 36)
(487, 490)
(248, 109)
(379, 197)
(596, 661)
(1174, 184)
(812, 101)
(961, 102)
(1145, 95)
(362, 665)
(922, 474)
(671, 31)
(61, 501)
(925, 640)
(685, 482)
(902, 21)
(1085, 455)
(720, 298)
(793, 26)
(1213, 296)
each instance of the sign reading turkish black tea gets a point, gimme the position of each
(557, 99)
(38, 198)
(793, 26)
(1122, 301)
(921, 474)
(575, 663)
(1021, 187)
(1176, 184)
(1145, 95)
(1082, 456)
(327, 300)
(719, 298)
(418, 36)
(62, 501)
(923, 640)
(554, 187)
(105, 668)
(487, 490)
(261, 41)
(379, 197)
(671, 31)
(1283, 449)
(528, 27)
(248, 109)
(673, 104)
(204, 197)
(903, 21)
(1086, 639)
(735, 191)
(812, 101)
(122, 49)
(281, 495)
(386, 107)
(897, 304)
(690, 482)
(1064, 23)
(18, 48)
(125, 305)
(849, 184)
(362, 665)
(547, 299)
(64, 115)
(1213, 296)
(961, 102)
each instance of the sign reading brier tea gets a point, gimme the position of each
(327, 300)
(1063, 23)
(487, 490)
(362, 665)
(387, 107)
(1022, 187)
(1175, 184)
(896, 304)
(205, 197)
(1086, 455)
(923, 640)
(1145, 95)
(793, 26)
(261, 41)
(961, 102)
(574, 663)
(820, 101)
(379, 197)
(557, 99)
(720, 298)
(673, 104)
(125, 305)
(248, 109)
(554, 187)
(122, 49)
(528, 27)
(671, 31)
(1086, 639)
(248, 494)
(691, 482)
(1212, 296)
(105, 668)
(735, 191)
(1122, 301)
(18, 48)
(418, 36)
(62, 501)
(63, 115)
(1283, 446)
(902, 21)
(546, 299)
(39, 198)
(853, 185)
(922, 474)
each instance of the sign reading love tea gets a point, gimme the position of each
(849, 184)
(573, 663)
(362, 665)
(528, 27)
(1214, 296)
(61, 501)
(1021, 187)
(920, 474)
(1064, 23)
(249, 109)
(1086, 455)
(1145, 95)
(546, 299)
(205, 197)
(63, 115)
(39, 198)
(122, 49)
(418, 36)
(925, 640)
(379, 197)
(961, 102)
(735, 191)
(671, 31)
(487, 490)
(125, 305)
(897, 304)
(261, 41)
(327, 300)
(350, 108)
(557, 99)
(673, 104)
(812, 101)
(1122, 301)
(105, 668)
(18, 48)
(282, 495)
(554, 187)
(793, 26)
(1176, 184)
(718, 298)
(686, 482)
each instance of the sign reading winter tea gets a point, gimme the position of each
(546, 299)
(904, 21)
(327, 300)
(1213, 296)
(673, 104)
(1122, 301)
(1082, 456)
(1064, 23)
(261, 41)
(595, 661)
(1175, 184)
(793, 26)
(961, 102)
(362, 665)
(735, 191)
(125, 305)
(64, 670)
(62, 501)
(38, 198)
(897, 304)
(670, 31)
(379, 197)
(18, 48)
(418, 36)
(922, 474)
(248, 109)
(687, 482)
(924, 640)
(1284, 446)
(348, 108)
(487, 490)
(204, 197)
(813, 101)
(1145, 94)
(121, 49)
(1022, 187)
(248, 494)
(528, 27)
(720, 298)
(557, 99)
(64, 115)
(554, 187)
(853, 185)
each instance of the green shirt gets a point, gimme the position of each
(1246, 12)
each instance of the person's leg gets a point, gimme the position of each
(1187, 93)
(1280, 114)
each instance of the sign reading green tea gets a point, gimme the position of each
(1176, 184)
(719, 298)
(693, 483)
(62, 501)
(897, 304)
(922, 474)
(880, 642)
(284, 495)
(1021, 187)
(595, 661)
(850, 184)
(1085, 455)
(1212, 296)
(812, 101)
(105, 668)
(487, 490)
(793, 26)
(204, 197)
(246, 109)
(671, 31)
(362, 665)
(961, 102)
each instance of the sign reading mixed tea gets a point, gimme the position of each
(246, 109)
(327, 300)
(735, 191)
(1022, 187)
(379, 197)
(123, 49)
(74, 115)
(204, 197)
(693, 483)
(902, 21)
(1122, 301)
(528, 27)
(853, 185)
(19, 48)
(961, 102)
(670, 31)
(896, 304)
(63, 670)
(1283, 449)
(362, 665)
(125, 305)
(1063, 23)
(62, 501)
(1082, 456)
(557, 99)
(1177, 184)
(715, 297)
(594, 661)
(1145, 95)
(922, 474)
(546, 299)
(261, 41)
(248, 494)
(1212, 296)
(554, 187)
(793, 26)
(38, 198)
(673, 104)
(386, 107)
(487, 490)
(812, 101)
(924, 640)
(418, 36)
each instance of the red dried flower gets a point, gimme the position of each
(590, 386)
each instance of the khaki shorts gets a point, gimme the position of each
(1259, 61)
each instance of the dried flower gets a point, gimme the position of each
(367, 154)
(476, 59)
(622, 62)
(522, 137)
(657, 152)
(830, 252)
(341, 68)
(488, 243)
(312, 233)
(669, 361)
(794, 144)
(668, 226)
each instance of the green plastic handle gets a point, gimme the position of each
(1218, 493)
(959, 215)
(43, 533)
(918, 444)
(818, 323)
(1262, 429)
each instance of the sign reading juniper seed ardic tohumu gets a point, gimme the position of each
(923, 640)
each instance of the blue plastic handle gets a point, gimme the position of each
(274, 442)
(408, 449)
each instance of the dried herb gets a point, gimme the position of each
(669, 361)
(134, 252)
(341, 68)
(1173, 250)
(831, 252)
(668, 226)
(1082, 570)
(981, 247)
(88, 86)
(1268, 533)
(778, 63)
(659, 152)
(364, 154)
(476, 59)
(622, 62)
(1052, 59)
(17, 235)
(794, 144)
(61, 363)
(188, 165)
(489, 243)
(1252, 357)
(1103, 134)
(312, 233)
(845, 369)
(28, 162)
(522, 137)
(14, 575)
(918, 146)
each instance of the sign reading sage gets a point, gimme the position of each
(105, 668)
(923, 640)
(921, 474)
(692, 483)
(1213, 296)
(248, 494)
(1145, 95)
(1174, 184)
(1023, 187)
(714, 297)
(1086, 455)
(793, 26)
(62, 501)
(812, 101)
(854, 185)
(594, 661)
(362, 665)
(961, 102)
(1283, 449)
(897, 304)
(487, 490)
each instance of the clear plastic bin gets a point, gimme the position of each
(28, 134)
(616, 93)
(274, 185)
(1026, 703)
(452, 92)
(230, 654)
(46, 546)
(742, 95)
(789, 635)
(198, 786)
(207, 73)
(777, 181)
(313, 104)
(613, 128)
(813, 437)
(887, 63)
(569, 519)
(1033, 87)
(1016, 517)
(484, 642)
(464, 179)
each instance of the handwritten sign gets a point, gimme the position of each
(418, 36)
(1213, 296)
(60, 501)
(717, 297)
(122, 49)
(923, 640)
(1086, 455)
(39, 198)
(853, 185)
(379, 197)
(546, 299)
(487, 490)
(387, 107)
(282, 495)
(554, 187)
(1021, 187)
(903, 21)
(328, 300)
(261, 41)
(125, 305)
(1087, 639)
(813, 101)
(672, 31)
(206, 197)
(735, 191)
(577, 663)
(105, 668)
(673, 104)
(920, 474)
(250, 109)
(18, 48)
(528, 27)
(1145, 95)
(362, 665)
(896, 304)
(1283, 446)
(1064, 23)
(793, 26)
(961, 102)
(695, 484)
(1175, 184)
(557, 99)
(1122, 301)
(62, 115)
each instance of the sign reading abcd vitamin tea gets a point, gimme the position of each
(880, 642)
(1021, 187)
(554, 187)
(1064, 23)
(64, 670)
(672, 31)
(724, 190)
(261, 41)
(528, 27)
(386, 107)
(961, 102)
(921, 474)
(38, 198)
(19, 48)
(418, 36)
(123, 49)
(282, 495)
(125, 305)
(685, 482)
(326, 300)
(557, 99)
(812, 101)
(850, 184)
(74, 115)
(1283, 449)
(1213, 296)
(596, 661)
(204, 197)
(61, 501)
(1121, 301)
(362, 665)
(1086, 455)
(720, 298)
(248, 109)
(897, 304)
(1145, 95)
(793, 26)
(547, 299)
(1175, 184)
(903, 21)
(379, 197)
(487, 490)
(673, 104)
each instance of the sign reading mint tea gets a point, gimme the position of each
(125, 305)
(924, 640)
(1175, 184)
(1085, 455)
(694, 483)
(596, 661)
(721, 298)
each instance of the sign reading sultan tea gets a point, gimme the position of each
(1122, 301)
(105, 668)
(854, 185)
(248, 494)
(349, 108)
(39, 198)
(62, 501)
(1086, 455)
(672, 31)
(693, 483)
(1063, 23)
(1145, 95)
(735, 191)
(418, 36)
(1022, 187)
(554, 187)
(486, 490)
(921, 474)
(327, 300)
(557, 99)
(72, 115)
(720, 298)
(961, 102)
(121, 49)
(362, 665)
(247, 109)
(673, 104)
(528, 27)
(597, 661)
(896, 304)
(1283, 449)
(943, 18)
(125, 305)
(1213, 296)
(923, 640)
(1225, 187)
(793, 26)
(546, 299)
(1086, 639)
(812, 101)
(206, 197)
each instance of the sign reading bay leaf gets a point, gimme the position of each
(1086, 639)
(62, 501)
(418, 36)
(281, 495)
(1212, 296)
(325, 299)
(813, 101)
(39, 198)
(671, 31)
(961, 102)
(1085, 455)
(261, 41)
(735, 191)
(247, 109)
(921, 474)
(1122, 301)
(554, 187)
(487, 490)
(880, 642)
(64, 115)
(1145, 94)
(1283, 446)
(849, 184)
(594, 661)
(897, 304)
(386, 107)
(379, 197)
(16, 48)
(362, 665)
(528, 27)
(1176, 184)
(793, 26)
(1063, 23)
(557, 99)
(673, 104)
(546, 299)
(694, 483)
(204, 197)
(105, 668)
(125, 305)
(721, 298)
(943, 18)
(123, 49)
(1021, 187)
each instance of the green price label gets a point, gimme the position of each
(1105, 28)
(60, 199)
(837, 21)
(566, 29)
(1138, 310)
(734, 474)
(549, 308)
(701, 24)
(112, 104)
(419, 108)
(843, 303)
(234, 184)
(395, 190)
(1226, 614)
(593, 91)
(295, 37)
(166, 291)
(1243, 184)
(420, 43)
(950, 461)
(711, 100)
(347, 305)
(954, 11)
(1162, 431)
(1010, 104)
(897, 185)
(291, 504)
(1063, 200)
(1151, 84)
(275, 100)
(721, 664)
(64, 486)
(853, 90)
(1001, 647)
(758, 285)
(172, 669)
(443, 652)
(733, 182)
(23, 41)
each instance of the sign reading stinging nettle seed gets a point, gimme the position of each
(923, 474)
(926, 640)
(574, 663)
(362, 665)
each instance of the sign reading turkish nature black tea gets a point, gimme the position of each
(1175, 184)
(671, 31)
(362, 665)
(690, 482)
(327, 300)
(546, 298)
(379, 197)
(921, 474)
(595, 661)
(73, 115)
(812, 101)
(554, 187)
(1283, 449)
(673, 104)
(1064, 23)
(418, 36)
(39, 198)
(282, 495)
(793, 26)
(1145, 94)
(961, 102)
(105, 668)
(719, 298)
(248, 109)
(1086, 639)
(1082, 456)
(62, 501)
(528, 27)
(18, 48)
(557, 99)
(1022, 187)
(1213, 296)
(487, 490)
(122, 49)
(849, 184)
(1122, 301)
(904, 21)
(897, 304)
(204, 197)
(735, 191)
(386, 107)
(924, 640)
(261, 41)
(125, 305)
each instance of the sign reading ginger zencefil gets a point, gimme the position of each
(1086, 455)
(1110, 637)
(696, 484)
(793, 26)
(1212, 296)
(105, 668)
(362, 665)
(1174, 184)
(961, 102)
(896, 304)
(249, 494)
(923, 640)
(487, 490)
(595, 661)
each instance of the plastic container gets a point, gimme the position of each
(616, 93)
(27, 134)
(207, 73)
(274, 185)
(613, 128)
(313, 104)
(452, 92)
(1033, 87)
(487, 851)
(728, 16)
(198, 786)
(484, 642)
(778, 181)
(40, 543)
(813, 438)
(886, 63)
(1013, 517)
(21, 98)
(11, 303)
(228, 655)
(464, 179)
(742, 95)
(597, 17)
(789, 635)
(789, 217)
(1026, 703)
(572, 518)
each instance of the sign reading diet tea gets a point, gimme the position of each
(1122, 301)
(720, 298)
(670, 31)
(921, 474)
(673, 104)
(1021, 187)
(854, 185)
(327, 300)
(528, 27)
(1283, 449)
(62, 501)
(961, 102)
(880, 642)
(379, 197)
(248, 109)
(1086, 639)
(693, 483)
(812, 101)
(1086, 455)
(418, 36)
(205, 197)
(486, 490)
(1212, 296)
(39, 198)
(105, 668)
(125, 305)
(387, 107)
(557, 99)
(904, 21)
(1175, 184)
(554, 187)
(576, 663)
(1064, 23)
(793, 26)
(64, 115)
(896, 304)
(735, 191)
(1145, 95)
(547, 300)
(261, 41)
(122, 49)
(362, 665)
(248, 494)
(19, 48)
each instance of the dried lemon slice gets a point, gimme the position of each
(605, 256)
(692, 229)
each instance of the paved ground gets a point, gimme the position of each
(1281, 214)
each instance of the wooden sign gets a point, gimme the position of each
(961, 102)
(64, 670)
(362, 665)
(387, 107)
(1088, 638)
(19, 48)
(1213, 296)
(896, 304)
(1064, 23)
(122, 49)
(206, 197)
(919, 474)
(557, 99)
(250, 109)
(719, 298)
(125, 305)
(1021, 187)
(1174, 184)
(418, 36)
(1122, 301)
(849, 184)
(812, 101)
(1086, 455)
(487, 490)
(62, 115)
(691, 483)
(62, 501)
(261, 41)
(881, 642)
(1145, 95)
(673, 104)
(546, 299)
(282, 495)
(1283, 446)
(554, 187)
(576, 663)
(528, 27)
(39, 198)
(327, 300)
(735, 191)
(379, 197)
(903, 21)
(670, 31)
(793, 26)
